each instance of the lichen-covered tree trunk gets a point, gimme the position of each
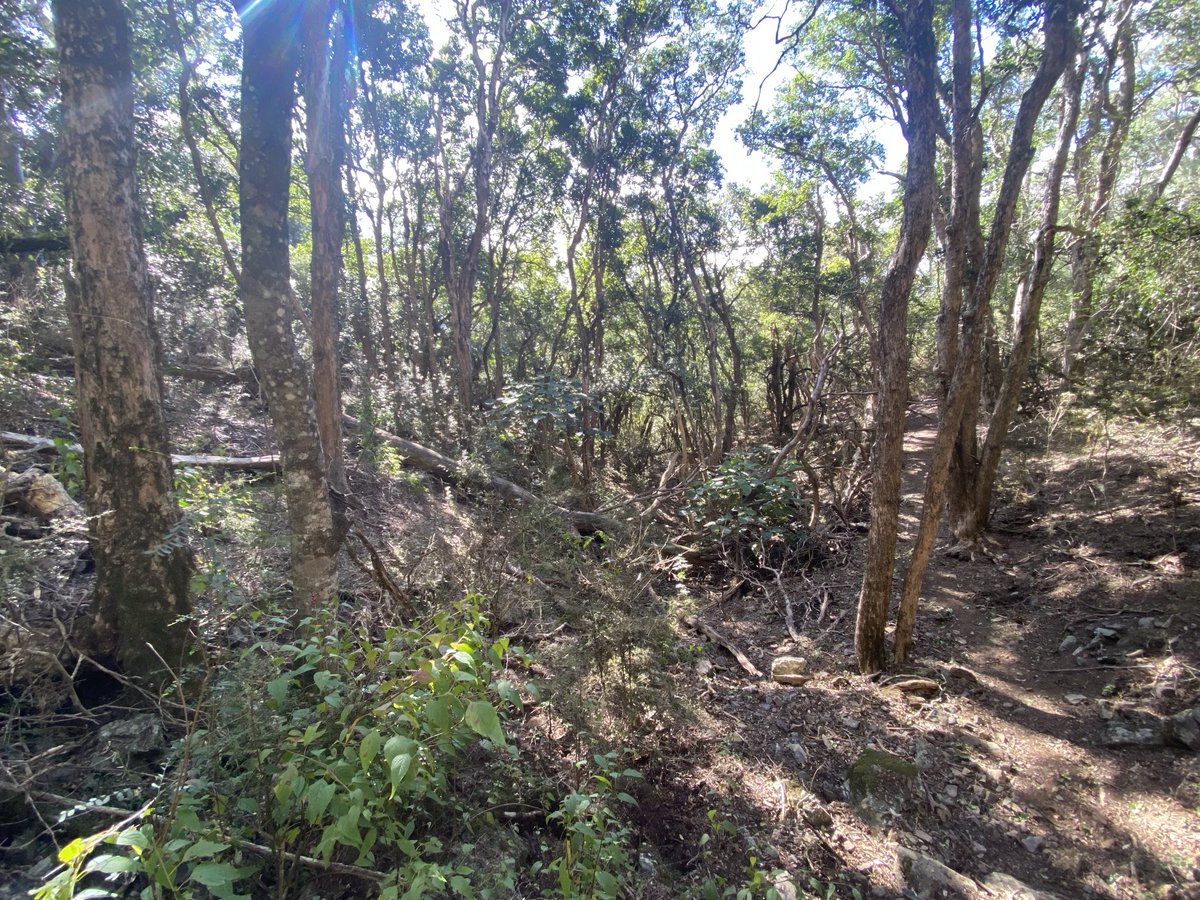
(270, 61)
(142, 574)
(892, 377)
(324, 80)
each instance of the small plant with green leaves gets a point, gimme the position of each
(596, 858)
(754, 517)
(333, 743)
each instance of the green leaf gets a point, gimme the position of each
(319, 795)
(607, 883)
(217, 877)
(482, 718)
(368, 749)
(202, 848)
(111, 865)
(400, 765)
(278, 688)
(437, 713)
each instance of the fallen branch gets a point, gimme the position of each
(267, 463)
(444, 467)
(717, 638)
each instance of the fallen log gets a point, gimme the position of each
(267, 463)
(444, 467)
(38, 494)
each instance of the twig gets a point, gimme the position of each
(790, 617)
(717, 638)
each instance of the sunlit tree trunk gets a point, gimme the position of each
(142, 568)
(1085, 257)
(963, 390)
(892, 378)
(324, 86)
(270, 62)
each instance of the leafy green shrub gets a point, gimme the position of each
(754, 519)
(335, 744)
(596, 860)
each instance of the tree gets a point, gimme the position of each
(920, 188)
(270, 62)
(962, 389)
(324, 78)
(142, 569)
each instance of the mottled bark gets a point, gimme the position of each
(1028, 307)
(324, 86)
(142, 571)
(270, 61)
(892, 377)
(1058, 47)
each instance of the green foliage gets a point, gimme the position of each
(334, 742)
(597, 860)
(749, 515)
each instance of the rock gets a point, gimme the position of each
(1120, 736)
(703, 667)
(1146, 622)
(962, 673)
(1068, 644)
(1184, 728)
(851, 723)
(1108, 634)
(785, 887)
(799, 753)
(1005, 887)
(879, 782)
(136, 736)
(1075, 699)
(790, 670)
(1033, 843)
(929, 878)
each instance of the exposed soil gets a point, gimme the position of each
(1017, 773)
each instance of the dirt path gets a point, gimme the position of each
(1019, 771)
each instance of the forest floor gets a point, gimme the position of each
(1041, 755)
(1047, 746)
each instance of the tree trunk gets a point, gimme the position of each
(1086, 256)
(1059, 43)
(142, 571)
(892, 378)
(324, 85)
(1028, 306)
(270, 60)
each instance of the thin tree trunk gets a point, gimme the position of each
(1181, 145)
(1086, 256)
(270, 61)
(892, 378)
(184, 95)
(1059, 44)
(324, 84)
(142, 574)
(1028, 306)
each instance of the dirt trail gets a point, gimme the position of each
(1081, 554)
(1018, 773)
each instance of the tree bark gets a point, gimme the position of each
(1028, 305)
(142, 571)
(324, 86)
(1086, 256)
(892, 377)
(270, 61)
(1059, 43)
